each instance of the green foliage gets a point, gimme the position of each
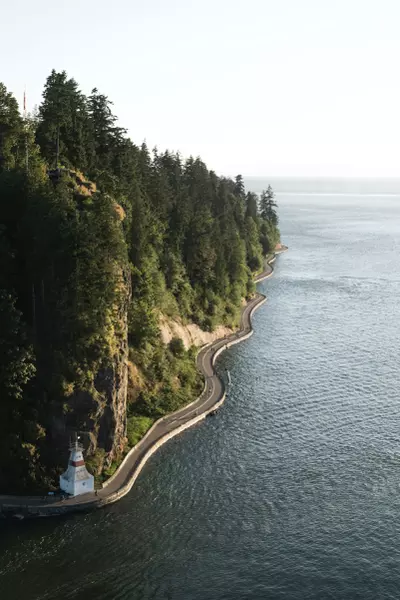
(17, 365)
(171, 376)
(137, 427)
(109, 471)
(98, 237)
(94, 464)
(268, 206)
(11, 129)
(63, 129)
(177, 348)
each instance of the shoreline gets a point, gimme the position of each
(165, 428)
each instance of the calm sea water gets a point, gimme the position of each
(292, 490)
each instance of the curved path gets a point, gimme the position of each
(162, 430)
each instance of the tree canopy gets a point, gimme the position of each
(100, 238)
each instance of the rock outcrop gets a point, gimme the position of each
(190, 333)
(112, 382)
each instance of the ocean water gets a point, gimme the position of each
(292, 490)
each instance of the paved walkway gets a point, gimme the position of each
(163, 429)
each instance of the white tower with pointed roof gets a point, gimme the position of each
(76, 479)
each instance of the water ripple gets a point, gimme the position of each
(292, 491)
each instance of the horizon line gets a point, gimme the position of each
(329, 177)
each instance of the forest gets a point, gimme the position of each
(99, 238)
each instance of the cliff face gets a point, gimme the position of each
(97, 412)
(190, 333)
(111, 383)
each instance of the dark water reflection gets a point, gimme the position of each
(291, 491)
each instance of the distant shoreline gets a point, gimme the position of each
(349, 194)
(328, 186)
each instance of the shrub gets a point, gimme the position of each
(177, 347)
(137, 427)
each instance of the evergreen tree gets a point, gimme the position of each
(16, 135)
(239, 189)
(268, 206)
(107, 140)
(251, 205)
(63, 123)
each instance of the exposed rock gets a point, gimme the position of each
(113, 382)
(136, 383)
(190, 334)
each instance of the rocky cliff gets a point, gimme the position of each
(190, 333)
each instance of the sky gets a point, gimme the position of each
(258, 87)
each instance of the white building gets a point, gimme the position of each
(76, 479)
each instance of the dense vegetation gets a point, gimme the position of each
(98, 237)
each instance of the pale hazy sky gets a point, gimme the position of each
(259, 87)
